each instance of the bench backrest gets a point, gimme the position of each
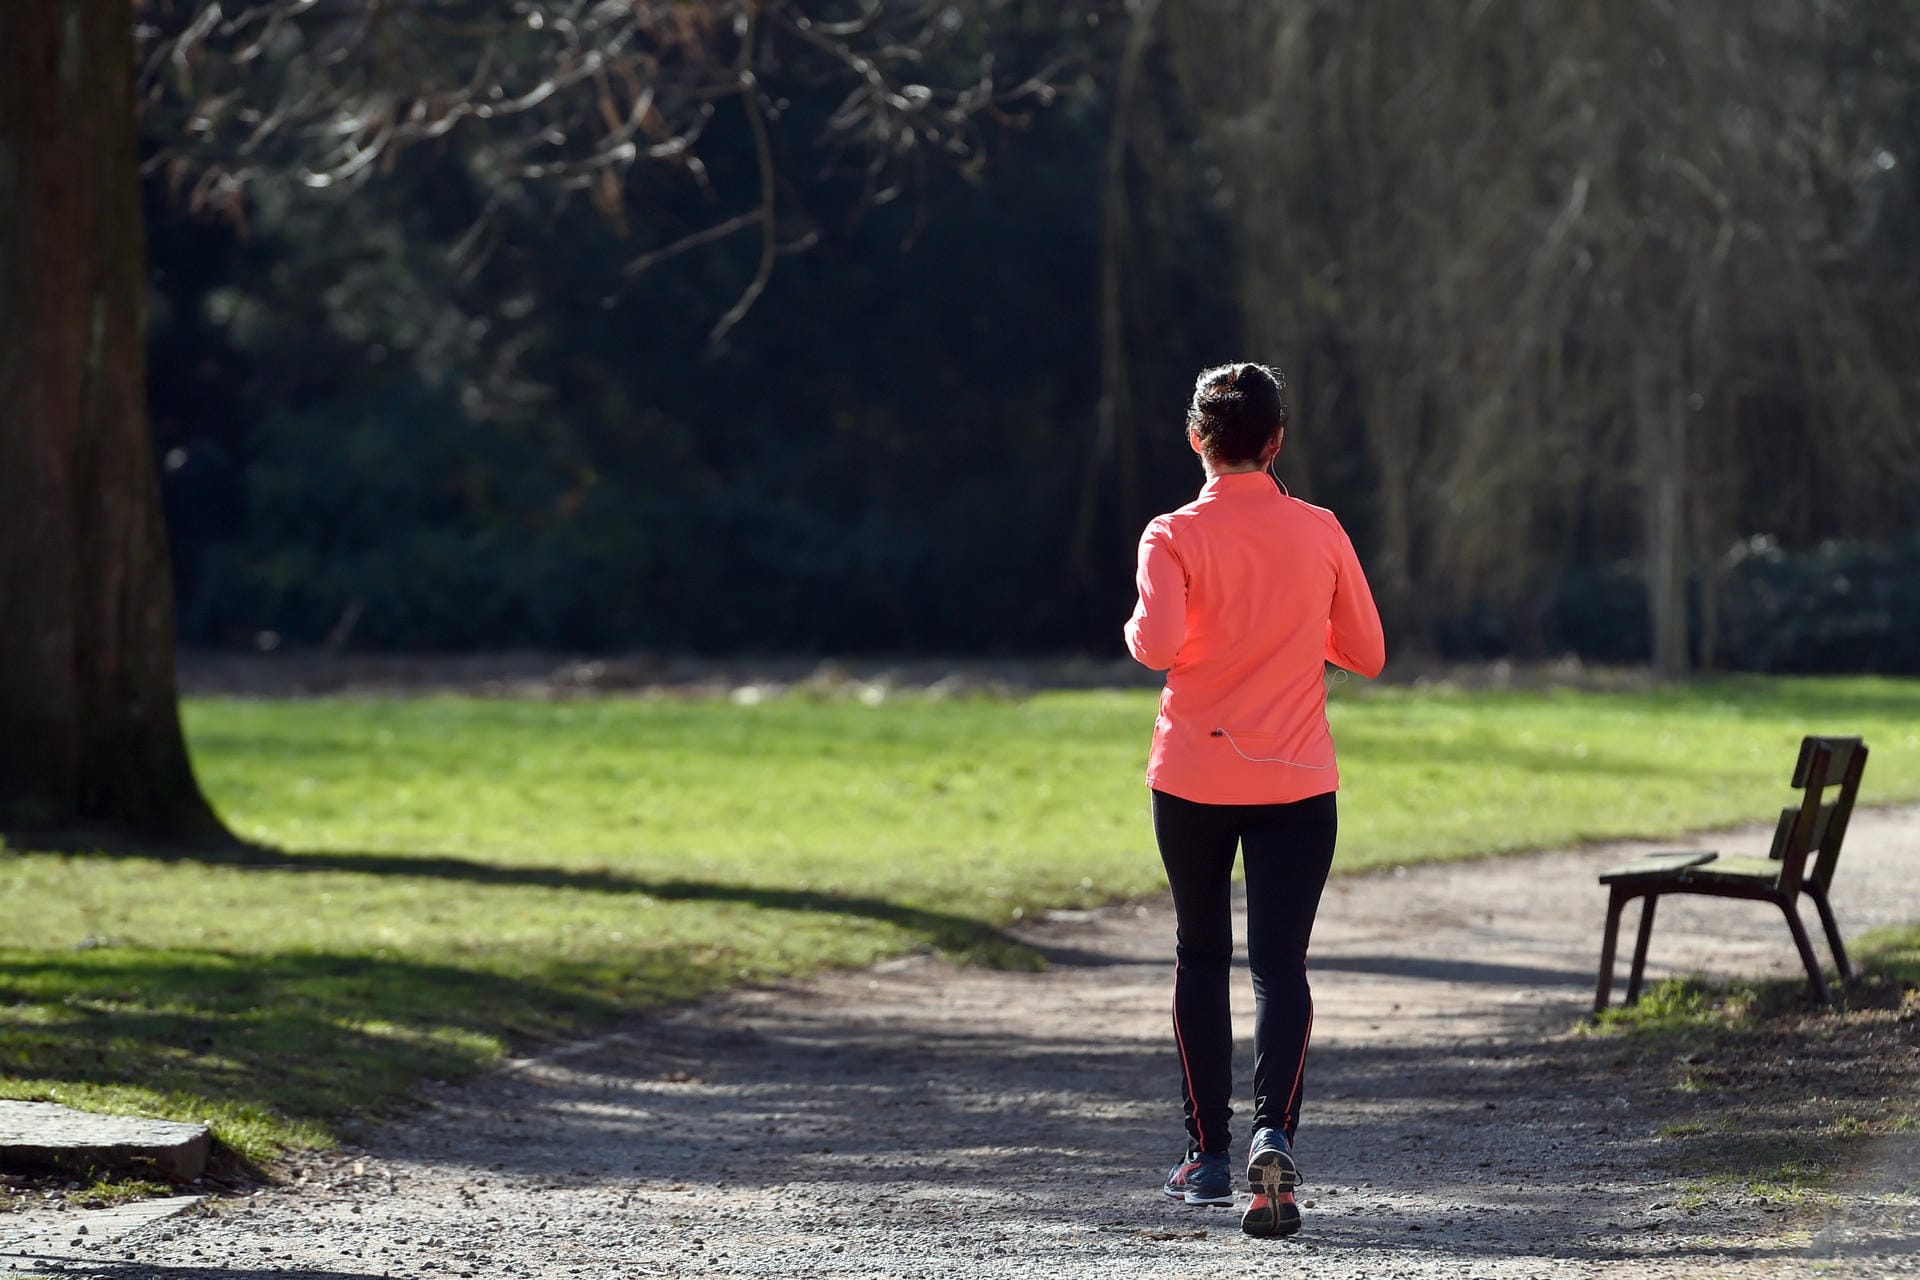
(1806, 842)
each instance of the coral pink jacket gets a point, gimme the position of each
(1245, 594)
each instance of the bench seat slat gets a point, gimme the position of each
(1657, 866)
(1755, 870)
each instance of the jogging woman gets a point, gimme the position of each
(1245, 594)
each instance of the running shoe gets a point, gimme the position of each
(1271, 1215)
(1270, 1166)
(1201, 1179)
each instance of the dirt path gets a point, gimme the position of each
(918, 1121)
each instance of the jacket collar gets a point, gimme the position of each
(1239, 483)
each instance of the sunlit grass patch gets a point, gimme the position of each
(1683, 1129)
(1893, 953)
(1675, 1006)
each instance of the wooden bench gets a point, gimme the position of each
(1806, 847)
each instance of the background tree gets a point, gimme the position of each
(86, 646)
(1555, 283)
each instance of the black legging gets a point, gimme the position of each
(1289, 850)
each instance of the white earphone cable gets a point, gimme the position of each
(1222, 733)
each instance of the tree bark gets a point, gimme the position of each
(1660, 421)
(89, 721)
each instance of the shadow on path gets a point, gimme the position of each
(1477, 1149)
(1470, 971)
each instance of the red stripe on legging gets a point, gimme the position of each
(1186, 1070)
(1291, 1120)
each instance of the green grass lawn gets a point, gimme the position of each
(463, 873)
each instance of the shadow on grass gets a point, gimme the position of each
(1548, 761)
(1822, 703)
(1785, 1095)
(1840, 706)
(283, 1045)
(964, 938)
(249, 1042)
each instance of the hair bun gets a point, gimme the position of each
(1237, 409)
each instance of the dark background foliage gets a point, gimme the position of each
(383, 430)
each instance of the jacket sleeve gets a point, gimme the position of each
(1354, 638)
(1158, 626)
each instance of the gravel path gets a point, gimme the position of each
(921, 1121)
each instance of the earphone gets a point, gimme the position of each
(1222, 733)
(1275, 475)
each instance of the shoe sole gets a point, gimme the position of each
(1270, 1218)
(1272, 1171)
(1194, 1197)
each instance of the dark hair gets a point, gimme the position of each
(1237, 409)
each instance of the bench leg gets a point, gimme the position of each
(1640, 948)
(1615, 901)
(1833, 935)
(1815, 978)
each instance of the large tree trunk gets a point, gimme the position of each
(89, 725)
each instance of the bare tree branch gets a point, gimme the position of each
(574, 93)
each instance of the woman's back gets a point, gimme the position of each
(1245, 593)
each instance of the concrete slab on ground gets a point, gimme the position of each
(36, 1136)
